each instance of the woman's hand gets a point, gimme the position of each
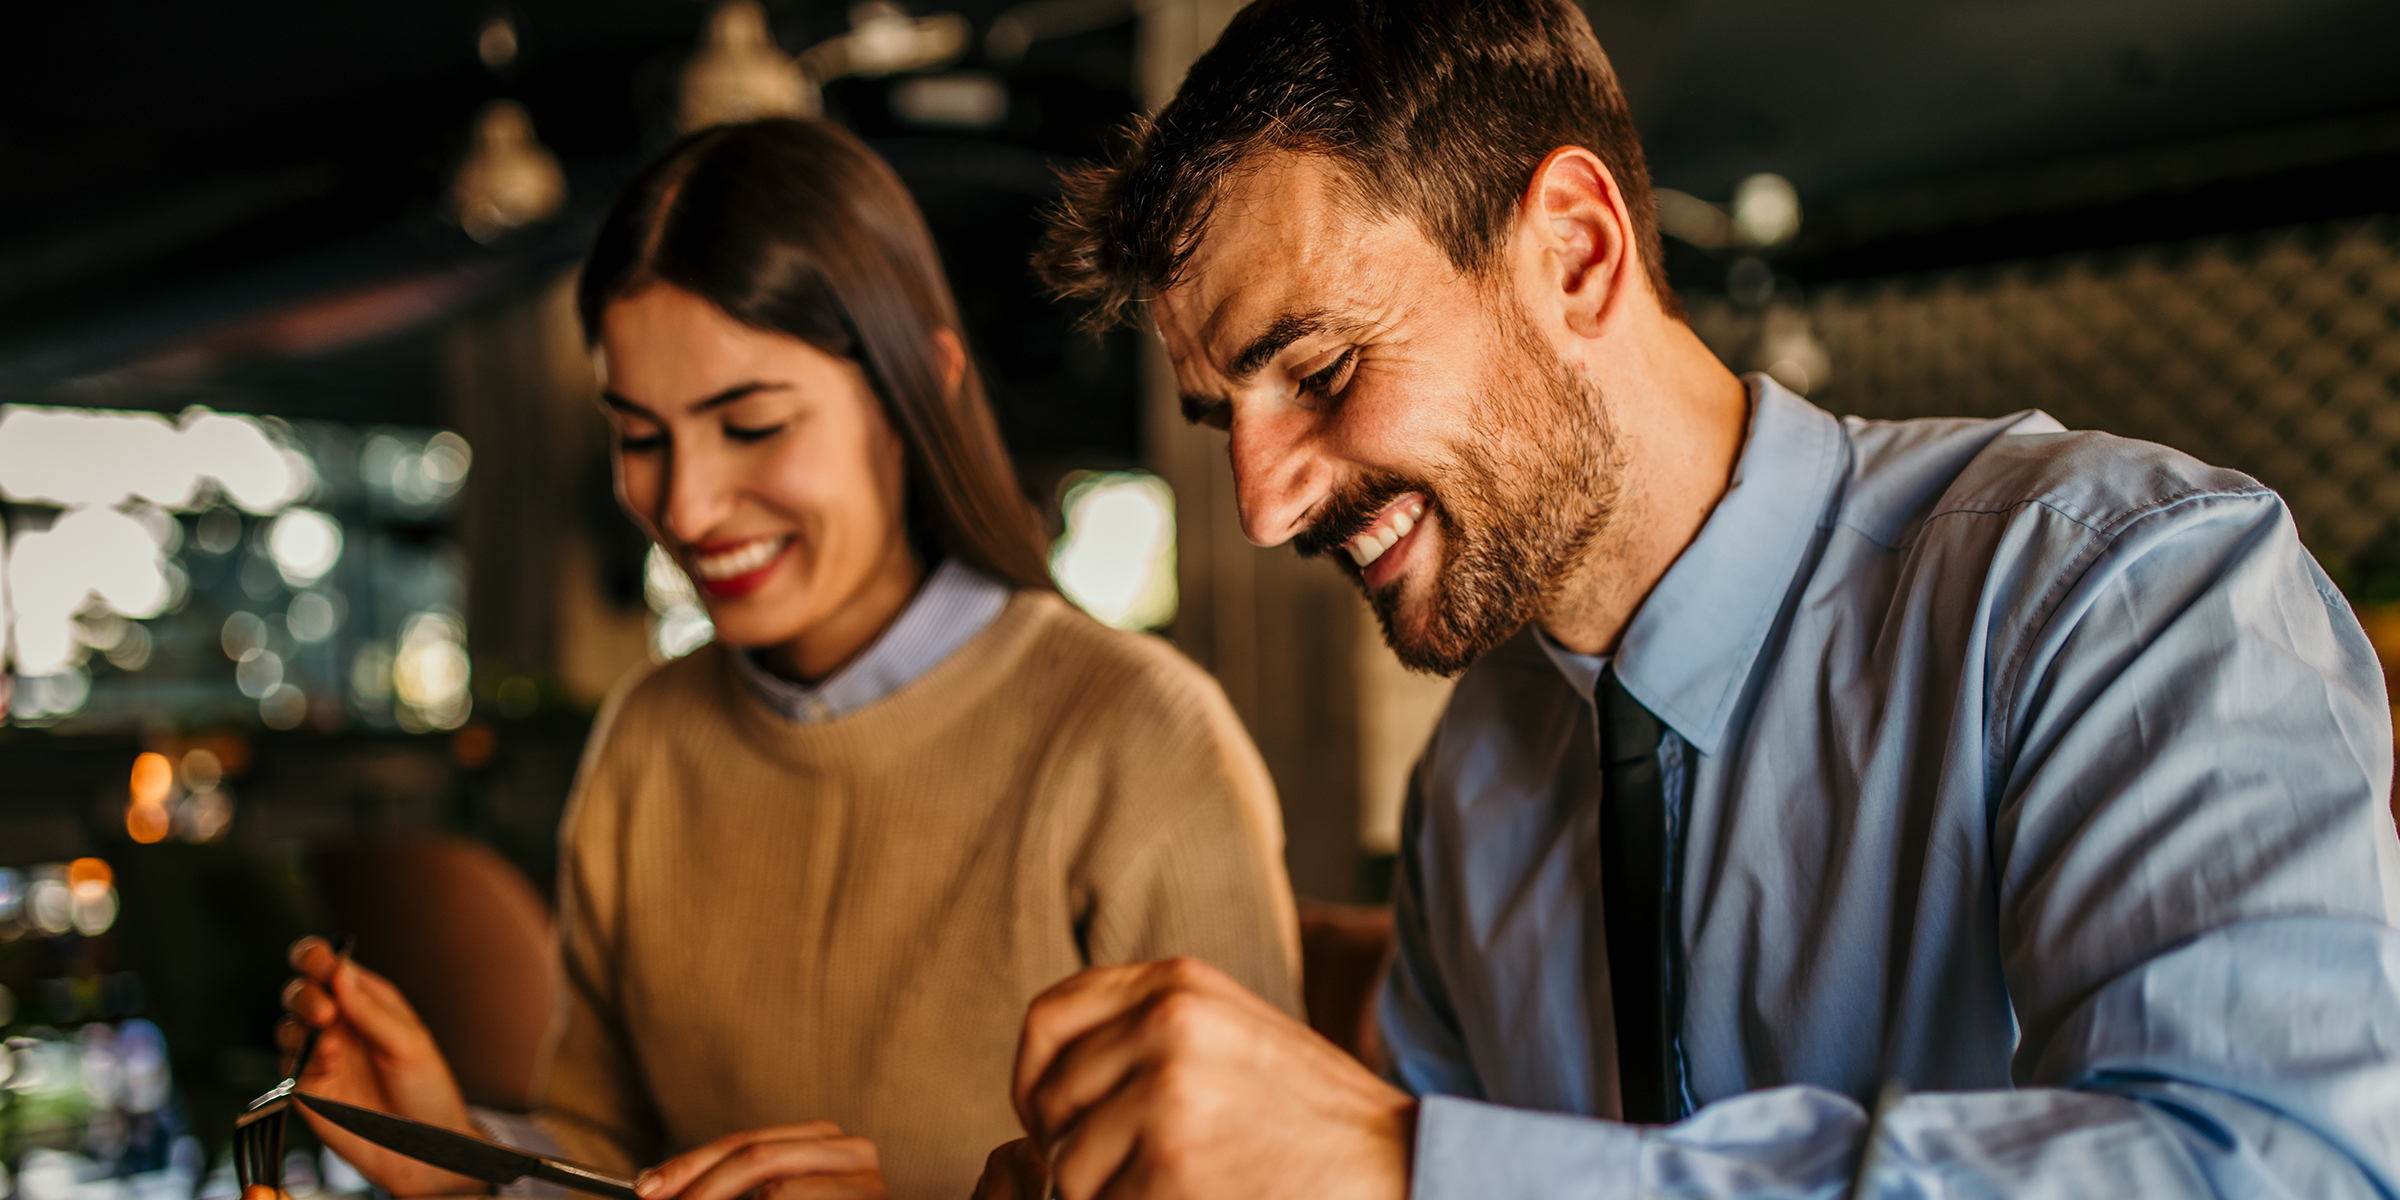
(815, 1161)
(373, 1052)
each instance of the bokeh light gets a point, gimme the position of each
(147, 818)
(678, 624)
(305, 544)
(431, 672)
(311, 617)
(1116, 559)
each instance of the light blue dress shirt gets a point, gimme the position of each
(2043, 771)
(954, 604)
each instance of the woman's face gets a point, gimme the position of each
(766, 467)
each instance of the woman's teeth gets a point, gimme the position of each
(741, 560)
(1379, 537)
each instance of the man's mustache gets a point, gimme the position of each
(1348, 511)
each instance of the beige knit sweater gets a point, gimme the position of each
(767, 923)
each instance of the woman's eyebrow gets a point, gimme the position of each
(728, 396)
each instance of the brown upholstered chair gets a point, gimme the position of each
(470, 944)
(1343, 952)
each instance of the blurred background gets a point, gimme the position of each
(310, 576)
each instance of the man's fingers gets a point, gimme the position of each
(1101, 1147)
(677, 1173)
(1097, 1065)
(764, 1161)
(1013, 1171)
(1084, 1001)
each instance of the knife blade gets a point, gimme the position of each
(472, 1157)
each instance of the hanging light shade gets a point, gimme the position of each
(509, 179)
(885, 40)
(741, 75)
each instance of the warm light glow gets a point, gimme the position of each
(148, 823)
(509, 179)
(88, 875)
(146, 817)
(206, 816)
(431, 672)
(1766, 210)
(153, 778)
(742, 75)
(202, 769)
(1116, 559)
(50, 904)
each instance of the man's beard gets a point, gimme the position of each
(1523, 497)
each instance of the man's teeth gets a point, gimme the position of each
(1369, 546)
(741, 560)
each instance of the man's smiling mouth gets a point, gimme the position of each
(1395, 522)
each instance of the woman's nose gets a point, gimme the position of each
(697, 497)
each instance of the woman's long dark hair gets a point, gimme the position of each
(795, 226)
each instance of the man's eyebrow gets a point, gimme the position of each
(728, 396)
(1280, 332)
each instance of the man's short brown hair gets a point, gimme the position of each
(1437, 110)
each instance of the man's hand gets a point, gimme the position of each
(815, 1161)
(1168, 1079)
(373, 1052)
(1013, 1171)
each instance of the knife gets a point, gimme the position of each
(472, 1157)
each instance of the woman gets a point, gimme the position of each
(814, 872)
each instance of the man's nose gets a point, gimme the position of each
(1277, 479)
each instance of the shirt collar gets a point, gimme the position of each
(1690, 646)
(956, 603)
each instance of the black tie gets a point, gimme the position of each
(1633, 858)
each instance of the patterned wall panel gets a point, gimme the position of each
(2276, 353)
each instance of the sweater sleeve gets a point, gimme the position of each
(1197, 870)
(596, 1104)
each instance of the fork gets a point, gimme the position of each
(258, 1132)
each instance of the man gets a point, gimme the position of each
(2042, 771)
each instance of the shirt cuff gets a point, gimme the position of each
(1469, 1150)
(519, 1131)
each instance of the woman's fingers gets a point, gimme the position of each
(765, 1157)
(849, 1185)
(677, 1173)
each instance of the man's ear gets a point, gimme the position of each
(1578, 240)
(950, 358)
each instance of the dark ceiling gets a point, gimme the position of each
(172, 164)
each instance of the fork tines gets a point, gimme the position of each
(258, 1145)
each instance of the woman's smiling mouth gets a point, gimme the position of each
(733, 568)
